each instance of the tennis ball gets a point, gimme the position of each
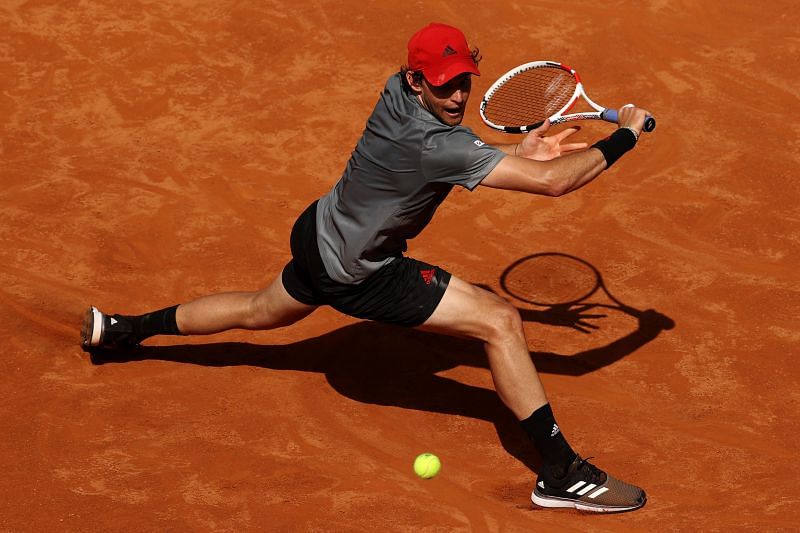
(427, 465)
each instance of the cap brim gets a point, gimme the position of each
(452, 70)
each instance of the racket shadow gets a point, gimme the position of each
(558, 289)
(392, 366)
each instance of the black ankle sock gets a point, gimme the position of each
(161, 322)
(553, 447)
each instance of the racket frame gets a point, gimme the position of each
(600, 113)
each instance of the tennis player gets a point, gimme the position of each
(348, 248)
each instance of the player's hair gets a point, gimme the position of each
(417, 75)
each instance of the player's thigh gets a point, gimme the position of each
(275, 307)
(469, 311)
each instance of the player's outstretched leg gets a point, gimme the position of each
(270, 308)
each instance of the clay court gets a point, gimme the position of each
(154, 152)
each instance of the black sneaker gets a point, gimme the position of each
(107, 331)
(587, 488)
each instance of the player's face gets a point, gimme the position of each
(449, 101)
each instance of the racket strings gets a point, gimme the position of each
(530, 97)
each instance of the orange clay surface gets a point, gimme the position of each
(153, 152)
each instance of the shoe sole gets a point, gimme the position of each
(92, 328)
(555, 502)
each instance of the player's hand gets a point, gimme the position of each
(536, 146)
(631, 116)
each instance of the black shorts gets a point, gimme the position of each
(404, 292)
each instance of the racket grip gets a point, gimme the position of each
(611, 115)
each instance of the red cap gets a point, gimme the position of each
(441, 53)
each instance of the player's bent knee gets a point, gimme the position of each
(503, 320)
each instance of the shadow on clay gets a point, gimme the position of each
(394, 366)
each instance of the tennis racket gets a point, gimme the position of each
(524, 97)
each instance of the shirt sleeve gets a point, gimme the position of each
(459, 157)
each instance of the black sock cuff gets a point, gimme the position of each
(170, 323)
(161, 322)
(539, 416)
(616, 144)
(541, 427)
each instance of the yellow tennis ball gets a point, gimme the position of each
(427, 465)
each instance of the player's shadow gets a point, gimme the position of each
(393, 366)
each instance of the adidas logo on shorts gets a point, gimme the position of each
(427, 275)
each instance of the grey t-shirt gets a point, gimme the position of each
(403, 167)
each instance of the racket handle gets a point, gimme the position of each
(611, 115)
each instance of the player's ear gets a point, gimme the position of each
(415, 85)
